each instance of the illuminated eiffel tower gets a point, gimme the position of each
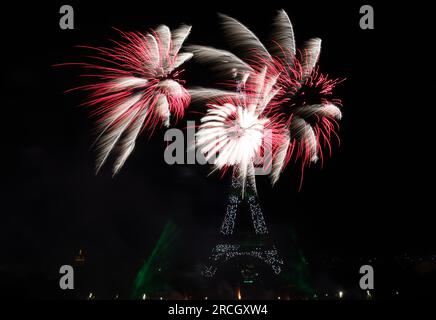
(227, 249)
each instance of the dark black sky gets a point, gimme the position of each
(371, 198)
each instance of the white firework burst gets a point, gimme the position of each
(235, 132)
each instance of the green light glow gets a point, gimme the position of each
(298, 273)
(149, 278)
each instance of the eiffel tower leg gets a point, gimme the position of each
(227, 227)
(257, 216)
(228, 224)
(270, 256)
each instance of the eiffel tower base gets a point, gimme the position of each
(224, 252)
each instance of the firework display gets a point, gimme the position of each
(216, 153)
(276, 104)
(279, 100)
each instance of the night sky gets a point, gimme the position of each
(371, 199)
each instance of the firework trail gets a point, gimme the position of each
(304, 99)
(138, 88)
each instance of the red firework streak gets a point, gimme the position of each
(305, 104)
(138, 87)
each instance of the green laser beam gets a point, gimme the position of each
(148, 280)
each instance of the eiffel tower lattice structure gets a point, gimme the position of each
(227, 249)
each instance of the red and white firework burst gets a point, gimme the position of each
(139, 88)
(308, 107)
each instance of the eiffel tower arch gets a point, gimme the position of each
(227, 249)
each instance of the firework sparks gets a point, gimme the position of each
(309, 109)
(139, 88)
